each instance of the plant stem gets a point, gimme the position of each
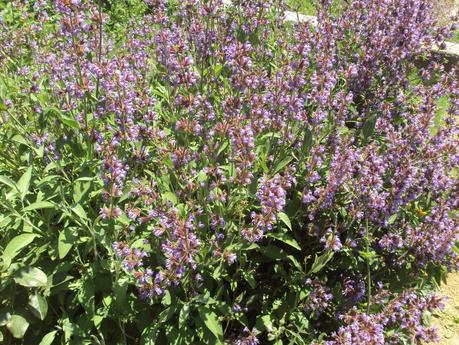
(367, 249)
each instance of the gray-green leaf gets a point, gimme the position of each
(17, 244)
(39, 306)
(211, 321)
(65, 242)
(31, 277)
(285, 219)
(17, 326)
(24, 182)
(286, 239)
(39, 205)
(321, 261)
(10, 183)
(48, 338)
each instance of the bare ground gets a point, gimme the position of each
(447, 321)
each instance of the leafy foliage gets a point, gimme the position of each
(193, 172)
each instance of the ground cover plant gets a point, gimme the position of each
(202, 173)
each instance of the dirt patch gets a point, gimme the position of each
(447, 321)
(446, 9)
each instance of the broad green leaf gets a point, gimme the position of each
(285, 238)
(24, 182)
(149, 335)
(295, 262)
(48, 338)
(70, 122)
(79, 211)
(321, 261)
(166, 301)
(69, 329)
(248, 276)
(285, 219)
(9, 182)
(282, 164)
(98, 320)
(17, 244)
(17, 325)
(184, 314)
(81, 189)
(86, 296)
(39, 205)
(65, 120)
(368, 255)
(65, 241)
(392, 219)
(121, 295)
(20, 139)
(211, 321)
(31, 277)
(39, 306)
(264, 323)
(307, 140)
(1, 336)
(169, 196)
(369, 127)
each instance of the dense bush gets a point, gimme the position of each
(196, 173)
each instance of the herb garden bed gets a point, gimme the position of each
(197, 172)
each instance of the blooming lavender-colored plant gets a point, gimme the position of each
(222, 175)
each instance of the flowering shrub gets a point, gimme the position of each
(198, 172)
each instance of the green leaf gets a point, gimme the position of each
(295, 262)
(70, 122)
(31, 277)
(307, 141)
(248, 276)
(169, 196)
(39, 306)
(368, 255)
(9, 182)
(1, 336)
(20, 139)
(184, 314)
(264, 323)
(86, 296)
(121, 295)
(282, 164)
(65, 120)
(79, 211)
(211, 321)
(285, 238)
(368, 127)
(167, 299)
(48, 338)
(285, 219)
(39, 205)
(392, 219)
(24, 182)
(65, 242)
(14, 247)
(17, 326)
(149, 335)
(321, 261)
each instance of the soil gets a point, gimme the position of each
(447, 321)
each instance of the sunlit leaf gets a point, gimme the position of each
(15, 246)
(31, 277)
(39, 306)
(17, 325)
